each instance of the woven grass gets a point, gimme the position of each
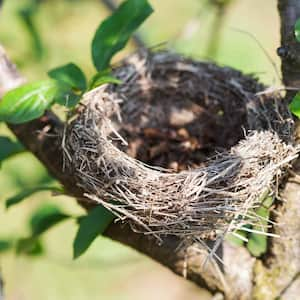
(180, 147)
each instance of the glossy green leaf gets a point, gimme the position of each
(90, 226)
(28, 192)
(9, 148)
(29, 246)
(114, 32)
(70, 74)
(46, 217)
(103, 78)
(29, 101)
(297, 30)
(294, 106)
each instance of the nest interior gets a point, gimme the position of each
(180, 147)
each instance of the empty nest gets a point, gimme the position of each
(181, 147)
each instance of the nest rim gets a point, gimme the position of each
(276, 130)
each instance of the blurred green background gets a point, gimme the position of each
(109, 270)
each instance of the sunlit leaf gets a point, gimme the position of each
(114, 32)
(28, 192)
(29, 101)
(103, 78)
(294, 106)
(70, 74)
(90, 226)
(237, 238)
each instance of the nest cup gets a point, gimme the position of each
(180, 147)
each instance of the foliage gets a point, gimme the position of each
(30, 101)
(71, 75)
(9, 148)
(16, 199)
(27, 16)
(113, 34)
(102, 78)
(66, 86)
(45, 217)
(42, 219)
(90, 226)
(252, 235)
(294, 106)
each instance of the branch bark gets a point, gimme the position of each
(289, 51)
(277, 276)
(42, 137)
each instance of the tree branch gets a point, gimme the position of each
(243, 277)
(289, 51)
(280, 269)
(43, 137)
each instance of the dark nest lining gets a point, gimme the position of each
(172, 112)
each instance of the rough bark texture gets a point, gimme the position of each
(244, 277)
(289, 51)
(277, 276)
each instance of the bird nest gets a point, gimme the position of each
(180, 147)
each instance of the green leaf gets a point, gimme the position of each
(114, 32)
(29, 101)
(90, 226)
(294, 106)
(9, 148)
(258, 243)
(27, 15)
(28, 192)
(68, 99)
(297, 30)
(5, 245)
(103, 78)
(30, 246)
(70, 74)
(234, 239)
(46, 217)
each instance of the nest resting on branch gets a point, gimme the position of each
(140, 148)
